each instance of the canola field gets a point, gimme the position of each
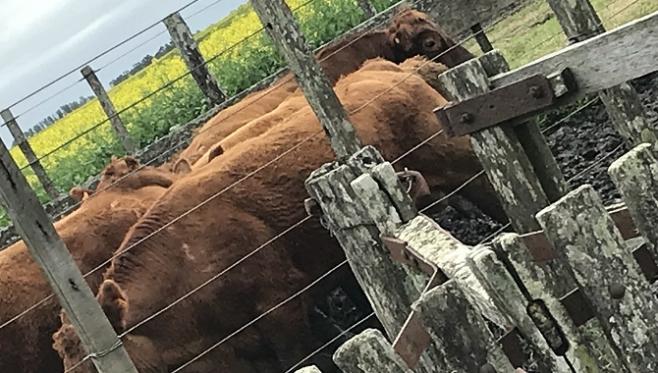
(239, 56)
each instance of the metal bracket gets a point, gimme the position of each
(542, 250)
(644, 258)
(413, 339)
(511, 345)
(516, 101)
(578, 307)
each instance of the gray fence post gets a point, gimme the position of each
(50, 252)
(499, 151)
(184, 41)
(31, 158)
(369, 352)
(580, 21)
(467, 344)
(547, 281)
(108, 107)
(367, 8)
(636, 176)
(284, 31)
(610, 280)
(481, 38)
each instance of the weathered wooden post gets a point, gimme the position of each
(481, 38)
(369, 352)
(508, 298)
(284, 31)
(636, 176)
(27, 151)
(551, 287)
(468, 345)
(189, 49)
(609, 279)
(513, 175)
(367, 7)
(49, 251)
(580, 21)
(108, 107)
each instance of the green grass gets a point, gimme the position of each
(522, 37)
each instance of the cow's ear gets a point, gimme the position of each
(114, 303)
(131, 162)
(80, 194)
(182, 167)
(215, 152)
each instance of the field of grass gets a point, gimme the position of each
(522, 37)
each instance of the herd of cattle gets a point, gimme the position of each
(170, 228)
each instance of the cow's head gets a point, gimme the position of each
(414, 33)
(118, 168)
(114, 303)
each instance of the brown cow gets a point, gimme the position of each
(411, 33)
(91, 233)
(225, 227)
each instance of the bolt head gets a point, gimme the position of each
(466, 118)
(617, 290)
(536, 91)
(487, 368)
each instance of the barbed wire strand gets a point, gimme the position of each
(130, 38)
(251, 174)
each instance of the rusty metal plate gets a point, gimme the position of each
(412, 340)
(538, 246)
(578, 307)
(624, 222)
(402, 253)
(497, 106)
(512, 347)
(644, 258)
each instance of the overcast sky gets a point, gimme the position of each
(43, 39)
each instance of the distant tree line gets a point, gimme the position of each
(59, 114)
(142, 64)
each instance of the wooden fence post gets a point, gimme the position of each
(50, 252)
(367, 7)
(636, 176)
(31, 158)
(284, 32)
(361, 199)
(502, 156)
(108, 107)
(580, 21)
(188, 47)
(369, 352)
(463, 336)
(481, 38)
(609, 279)
(509, 299)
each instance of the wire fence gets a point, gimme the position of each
(260, 247)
